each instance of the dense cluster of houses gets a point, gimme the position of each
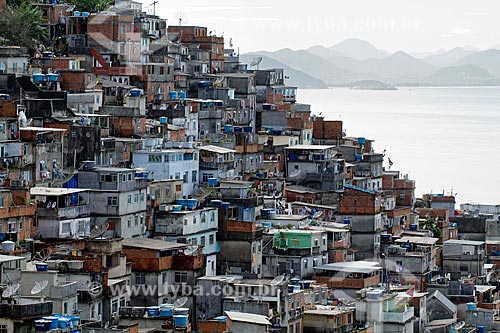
(150, 181)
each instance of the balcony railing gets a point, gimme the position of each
(399, 317)
(65, 213)
(26, 311)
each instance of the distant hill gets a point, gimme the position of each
(356, 60)
(358, 49)
(448, 58)
(324, 52)
(372, 85)
(488, 60)
(313, 65)
(466, 75)
(296, 77)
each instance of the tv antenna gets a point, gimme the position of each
(42, 255)
(256, 61)
(180, 302)
(181, 18)
(39, 287)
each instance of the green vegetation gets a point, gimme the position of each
(92, 6)
(431, 224)
(20, 24)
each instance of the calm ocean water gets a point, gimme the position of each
(446, 139)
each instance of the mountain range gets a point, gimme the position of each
(355, 60)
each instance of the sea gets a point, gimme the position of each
(446, 139)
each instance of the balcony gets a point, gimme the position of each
(210, 114)
(63, 290)
(25, 311)
(118, 70)
(104, 246)
(400, 317)
(64, 213)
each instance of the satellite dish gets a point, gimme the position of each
(16, 287)
(277, 280)
(39, 287)
(98, 231)
(180, 302)
(8, 292)
(459, 325)
(256, 61)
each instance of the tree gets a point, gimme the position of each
(92, 6)
(20, 25)
(431, 224)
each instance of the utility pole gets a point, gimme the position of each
(154, 7)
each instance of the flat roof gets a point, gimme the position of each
(248, 318)
(217, 149)
(417, 240)
(42, 129)
(5, 258)
(352, 267)
(51, 191)
(483, 288)
(463, 242)
(112, 169)
(152, 244)
(301, 189)
(309, 147)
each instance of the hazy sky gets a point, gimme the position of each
(409, 25)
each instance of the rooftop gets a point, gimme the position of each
(464, 242)
(217, 149)
(50, 191)
(152, 244)
(4, 258)
(352, 267)
(248, 318)
(309, 147)
(418, 240)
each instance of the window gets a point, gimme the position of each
(202, 240)
(114, 306)
(211, 239)
(164, 277)
(136, 220)
(122, 301)
(177, 175)
(194, 176)
(12, 226)
(180, 277)
(136, 197)
(194, 219)
(142, 197)
(162, 70)
(212, 216)
(154, 158)
(112, 201)
(194, 241)
(203, 218)
(129, 198)
(306, 263)
(140, 278)
(129, 177)
(1, 201)
(129, 223)
(185, 178)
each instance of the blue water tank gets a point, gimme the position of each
(42, 267)
(248, 129)
(163, 120)
(471, 306)
(77, 13)
(203, 84)
(413, 227)
(172, 94)
(180, 320)
(359, 157)
(135, 92)
(182, 94)
(238, 129)
(266, 106)
(52, 77)
(480, 329)
(38, 77)
(225, 204)
(153, 311)
(85, 14)
(228, 128)
(213, 181)
(361, 141)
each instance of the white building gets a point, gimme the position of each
(171, 164)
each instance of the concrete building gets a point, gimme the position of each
(464, 256)
(216, 162)
(160, 269)
(62, 213)
(315, 166)
(325, 319)
(171, 164)
(12, 60)
(118, 200)
(197, 227)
